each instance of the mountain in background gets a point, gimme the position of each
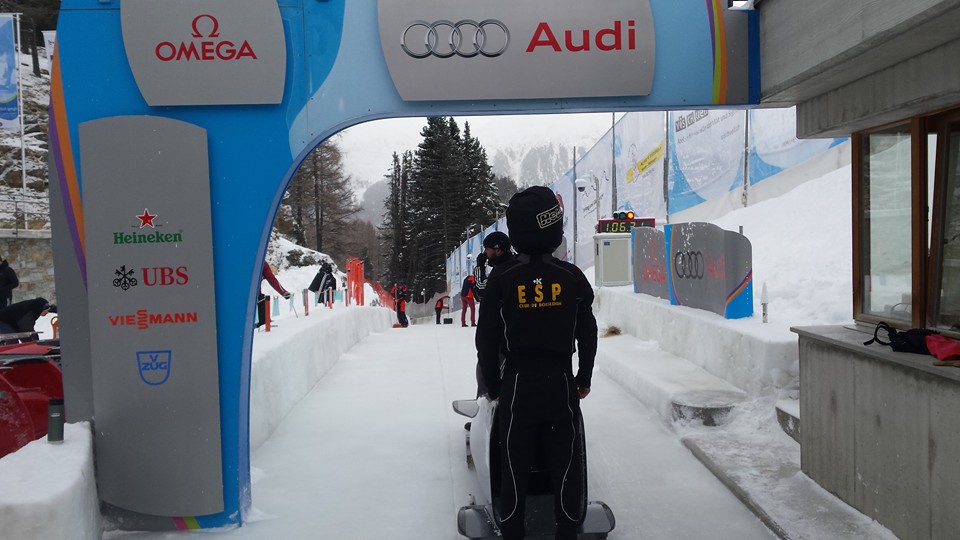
(529, 149)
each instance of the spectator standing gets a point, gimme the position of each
(399, 292)
(468, 295)
(496, 250)
(440, 306)
(536, 307)
(267, 274)
(323, 281)
(8, 282)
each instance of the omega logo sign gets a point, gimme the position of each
(205, 46)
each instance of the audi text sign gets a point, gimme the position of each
(503, 49)
(214, 52)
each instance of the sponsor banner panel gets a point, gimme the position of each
(214, 52)
(49, 42)
(641, 147)
(146, 203)
(9, 82)
(594, 202)
(649, 262)
(710, 268)
(565, 193)
(706, 155)
(774, 145)
(499, 49)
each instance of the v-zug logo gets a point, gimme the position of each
(206, 44)
(466, 38)
(154, 366)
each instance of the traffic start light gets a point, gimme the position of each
(623, 222)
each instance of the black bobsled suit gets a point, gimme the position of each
(535, 306)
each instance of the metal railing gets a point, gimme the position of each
(25, 212)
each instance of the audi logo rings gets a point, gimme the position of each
(689, 265)
(466, 39)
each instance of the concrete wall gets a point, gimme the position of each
(858, 63)
(30, 254)
(880, 431)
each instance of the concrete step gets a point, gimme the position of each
(788, 416)
(674, 387)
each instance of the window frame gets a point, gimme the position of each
(926, 267)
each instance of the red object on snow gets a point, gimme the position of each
(26, 388)
(25, 348)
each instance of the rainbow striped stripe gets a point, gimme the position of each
(186, 523)
(61, 152)
(719, 33)
(740, 288)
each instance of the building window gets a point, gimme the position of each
(886, 264)
(946, 283)
(906, 225)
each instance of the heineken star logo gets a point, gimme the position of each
(146, 219)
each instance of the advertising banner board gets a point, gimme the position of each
(649, 262)
(184, 52)
(153, 333)
(710, 268)
(463, 49)
(641, 140)
(706, 158)
(49, 43)
(9, 82)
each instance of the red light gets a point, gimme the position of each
(629, 215)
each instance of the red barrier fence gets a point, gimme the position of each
(386, 299)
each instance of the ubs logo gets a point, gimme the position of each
(154, 366)
(206, 44)
(155, 276)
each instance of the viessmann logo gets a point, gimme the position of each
(207, 44)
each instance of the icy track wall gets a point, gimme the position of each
(49, 491)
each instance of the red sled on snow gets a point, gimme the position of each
(26, 387)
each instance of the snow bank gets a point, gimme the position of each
(289, 361)
(49, 490)
(754, 357)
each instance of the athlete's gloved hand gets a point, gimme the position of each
(481, 259)
(287, 295)
(583, 391)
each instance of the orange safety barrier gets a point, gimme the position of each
(355, 281)
(55, 324)
(386, 299)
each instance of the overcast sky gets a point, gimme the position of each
(368, 147)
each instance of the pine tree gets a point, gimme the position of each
(483, 194)
(322, 204)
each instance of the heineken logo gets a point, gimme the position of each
(147, 220)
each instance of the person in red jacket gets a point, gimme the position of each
(399, 292)
(267, 274)
(440, 306)
(468, 295)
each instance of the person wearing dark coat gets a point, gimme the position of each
(8, 282)
(496, 250)
(323, 281)
(22, 316)
(537, 308)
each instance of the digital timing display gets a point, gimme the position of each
(623, 225)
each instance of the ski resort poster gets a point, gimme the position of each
(9, 90)
(706, 155)
(640, 152)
